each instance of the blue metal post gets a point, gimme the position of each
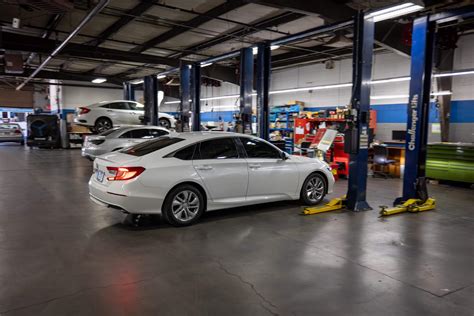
(185, 108)
(246, 86)
(128, 91)
(196, 96)
(150, 95)
(263, 88)
(414, 181)
(361, 76)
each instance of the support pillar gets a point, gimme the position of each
(185, 91)
(128, 91)
(263, 89)
(246, 85)
(196, 96)
(414, 181)
(150, 94)
(360, 104)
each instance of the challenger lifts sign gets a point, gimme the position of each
(414, 122)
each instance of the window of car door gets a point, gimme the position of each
(155, 133)
(119, 106)
(258, 149)
(220, 148)
(137, 133)
(136, 106)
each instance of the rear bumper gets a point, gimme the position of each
(11, 139)
(117, 196)
(82, 121)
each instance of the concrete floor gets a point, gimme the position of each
(61, 254)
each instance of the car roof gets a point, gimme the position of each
(198, 136)
(111, 101)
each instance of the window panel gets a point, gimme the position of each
(221, 148)
(258, 149)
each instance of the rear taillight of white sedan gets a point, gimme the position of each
(83, 110)
(124, 173)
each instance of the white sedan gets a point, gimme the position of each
(184, 175)
(104, 115)
(119, 138)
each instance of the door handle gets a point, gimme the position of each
(254, 166)
(205, 167)
(109, 111)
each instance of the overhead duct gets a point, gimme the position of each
(51, 6)
(101, 5)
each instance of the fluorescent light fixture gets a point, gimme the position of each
(405, 96)
(454, 73)
(161, 76)
(137, 81)
(99, 80)
(333, 86)
(399, 79)
(233, 96)
(347, 85)
(395, 96)
(393, 12)
(205, 65)
(439, 93)
(272, 47)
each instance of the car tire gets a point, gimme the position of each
(313, 190)
(183, 205)
(102, 124)
(164, 122)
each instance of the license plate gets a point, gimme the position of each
(99, 175)
(40, 138)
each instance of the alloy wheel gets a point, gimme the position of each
(185, 206)
(315, 189)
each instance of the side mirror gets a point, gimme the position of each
(283, 155)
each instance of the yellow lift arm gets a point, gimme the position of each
(412, 206)
(333, 205)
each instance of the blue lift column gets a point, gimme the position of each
(150, 95)
(358, 136)
(263, 88)
(185, 87)
(128, 91)
(196, 96)
(246, 86)
(422, 51)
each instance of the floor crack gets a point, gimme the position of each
(264, 302)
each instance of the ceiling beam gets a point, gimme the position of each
(332, 11)
(254, 28)
(61, 75)
(128, 17)
(13, 41)
(227, 6)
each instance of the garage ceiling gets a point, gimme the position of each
(130, 39)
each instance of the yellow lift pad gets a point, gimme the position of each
(333, 205)
(412, 206)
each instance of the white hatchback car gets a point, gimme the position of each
(104, 115)
(184, 175)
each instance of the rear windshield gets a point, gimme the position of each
(150, 146)
(9, 126)
(108, 132)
